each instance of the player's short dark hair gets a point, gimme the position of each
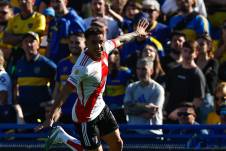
(78, 34)
(93, 31)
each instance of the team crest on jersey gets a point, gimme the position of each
(37, 70)
(30, 25)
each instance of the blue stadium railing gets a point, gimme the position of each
(22, 137)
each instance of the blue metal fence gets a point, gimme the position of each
(22, 137)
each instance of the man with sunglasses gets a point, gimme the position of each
(186, 114)
(158, 30)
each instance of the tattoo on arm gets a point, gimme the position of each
(125, 38)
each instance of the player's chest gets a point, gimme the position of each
(98, 71)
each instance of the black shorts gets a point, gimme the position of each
(90, 132)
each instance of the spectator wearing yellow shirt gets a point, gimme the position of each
(26, 20)
(5, 15)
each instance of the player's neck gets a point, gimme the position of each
(93, 56)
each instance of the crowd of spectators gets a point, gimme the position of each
(175, 74)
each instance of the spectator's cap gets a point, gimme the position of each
(49, 12)
(205, 36)
(223, 108)
(33, 34)
(139, 16)
(153, 4)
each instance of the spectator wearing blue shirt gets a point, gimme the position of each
(158, 30)
(34, 78)
(67, 20)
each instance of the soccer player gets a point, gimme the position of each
(93, 119)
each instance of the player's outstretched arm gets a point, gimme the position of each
(140, 31)
(56, 108)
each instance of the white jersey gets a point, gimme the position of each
(89, 78)
(5, 85)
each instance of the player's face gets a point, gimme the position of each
(76, 44)
(30, 45)
(94, 44)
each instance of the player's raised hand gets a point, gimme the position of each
(142, 26)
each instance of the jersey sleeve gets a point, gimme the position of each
(76, 76)
(109, 45)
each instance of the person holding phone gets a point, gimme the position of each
(144, 99)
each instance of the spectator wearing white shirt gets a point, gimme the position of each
(170, 7)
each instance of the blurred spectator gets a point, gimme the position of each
(5, 14)
(76, 46)
(117, 80)
(219, 98)
(185, 82)
(158, 73)
(50, 16)
(98, 10)
(144, 99)
(7, 111)
(26, 20)
(130, 10)
(207, 63)
(209, 67)
(189, 21)
(222, 71)
(21, 23)
(222, 112)
(158, 30)
(66, 22)
(216, 10)
(42, 5)
(118, 5)
(5, 83)
(220, 53)
(125, 19)
(169, 7)
(174, 57)
(34, 77)
(132, 50)
(186, 114)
